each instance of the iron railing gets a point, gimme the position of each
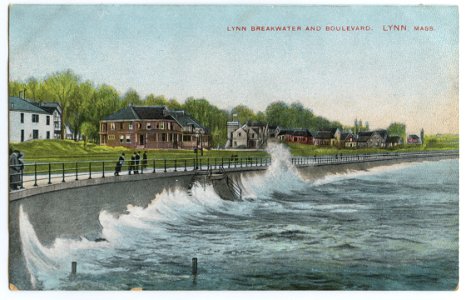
(34, 174)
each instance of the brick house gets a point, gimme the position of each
(153, 127)
(300, 135)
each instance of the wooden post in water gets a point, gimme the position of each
(74, 266)
(194, 266)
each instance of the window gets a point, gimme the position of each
(169, 125)
(22, 118)
(121, 125)
(164, 137)
(122, 138)
(111, 137)
(148, 126)
(35, 134)
(128, 138)
(186, 138)
(104, 127)
(48, 135)
(47, 120)
(253, 135)
(57, 125)
(239, 133)
(35, 118)
(162, 125)
(139, 125)
(112, 126)
(130, 126)
(22, 135)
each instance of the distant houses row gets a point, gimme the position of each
(157, 127)
(254, 135)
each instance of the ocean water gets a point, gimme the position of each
(387, 228)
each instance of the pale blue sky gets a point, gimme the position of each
(182, 51)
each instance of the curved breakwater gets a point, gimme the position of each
(359, 227)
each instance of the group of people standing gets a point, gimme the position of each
(134, 163)
(16, 163)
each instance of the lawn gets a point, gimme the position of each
(432, 143)
(70, 151)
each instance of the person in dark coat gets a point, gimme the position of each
(14, 169)
(119, 164)
(131, 164)
(138, 157)
(144, 160)
(21, 169)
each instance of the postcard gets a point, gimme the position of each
(236, 147)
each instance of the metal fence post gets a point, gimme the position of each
(76, 169)
(90, 170)
(103, 169)
(50, 174)
(165, 165)
(153, 171)
(208, 164)
(175, 165)
(185, 169)
(63, 172)
(35, 174)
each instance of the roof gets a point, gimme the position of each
(154, 113)
(382, 132)
(332, 130)
(324, 135)
(364, 138)
(365, 133)
(255, 124)
(184, 119)
(345, 135)
(15, 103)
(50, 107)
(139, 113)
(295, 132)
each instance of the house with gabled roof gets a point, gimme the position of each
(413, 139)
(29, 121)
(371, 139)
(327, 137)
(153, 127)
(295, 135)
(252, 135)
(348, 140)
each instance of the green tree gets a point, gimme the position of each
(398, 129)
(131, 97)
(15, 88)
(243, 113)
(174, 104)
(153, 100)
(89, 131)
(61, 86)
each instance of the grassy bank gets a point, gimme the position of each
(67, 151)
(432, 143)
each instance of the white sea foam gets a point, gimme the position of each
(281, 175)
